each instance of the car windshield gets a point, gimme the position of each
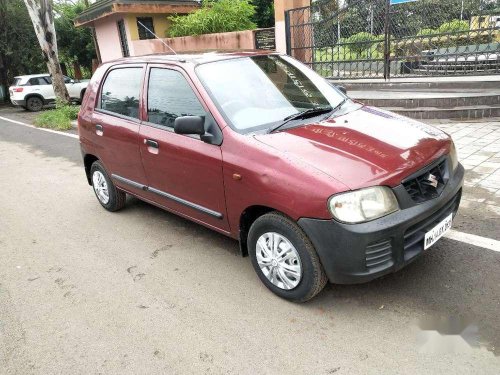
(260, 92)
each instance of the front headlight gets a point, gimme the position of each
(453, 156)
(363, 205)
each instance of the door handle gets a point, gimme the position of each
(151, 143)
(99, 130)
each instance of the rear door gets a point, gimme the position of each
(41, 86)
(183, 172)
(115, 126)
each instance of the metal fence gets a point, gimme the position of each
(374, 38)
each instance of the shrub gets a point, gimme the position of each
(361, 42)
(59, 118)
(427, 32)
(214, 17)
(453, 26)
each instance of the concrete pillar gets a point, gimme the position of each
(280, 6)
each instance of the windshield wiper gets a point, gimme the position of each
(302, 115)
(336, 108)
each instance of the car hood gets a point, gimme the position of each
(363, 147)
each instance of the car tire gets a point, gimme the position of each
(297, 278)
(108, 195)
(34, 104)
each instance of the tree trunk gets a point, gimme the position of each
(42, 17)
(78, 71)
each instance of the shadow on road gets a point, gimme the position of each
(452, 279)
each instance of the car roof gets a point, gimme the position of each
(33, 76)
(195, 57)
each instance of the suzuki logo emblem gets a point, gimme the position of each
(432, 180)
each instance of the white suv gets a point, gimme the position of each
(34, 91)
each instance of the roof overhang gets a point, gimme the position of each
(104, 8)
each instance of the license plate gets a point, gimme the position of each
(432, 236)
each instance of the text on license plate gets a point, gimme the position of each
(437, 232)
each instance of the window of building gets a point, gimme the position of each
(147, 22)
(169, 97)
(121, 91)
(123, 38)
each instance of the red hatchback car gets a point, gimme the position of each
(257, 146)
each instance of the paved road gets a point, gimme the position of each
(84, 291)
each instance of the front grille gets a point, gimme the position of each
(414, 236)
(379, 254)
(429, 184)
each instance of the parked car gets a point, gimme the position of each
(32, 92)
(258, 147)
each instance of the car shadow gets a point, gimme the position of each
(451, 279)
(191, 228)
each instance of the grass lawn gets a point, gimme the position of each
(59, 118)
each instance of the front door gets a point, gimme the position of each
(115, 126)
(184, 173)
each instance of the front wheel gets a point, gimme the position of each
(284, 258)
(106, 192)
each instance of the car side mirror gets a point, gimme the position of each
(190, 125)
(341, 89)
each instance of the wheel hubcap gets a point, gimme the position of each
(100, 187)
(278, 260)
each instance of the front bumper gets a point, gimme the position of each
(357, 253)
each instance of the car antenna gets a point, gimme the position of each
(157, 37)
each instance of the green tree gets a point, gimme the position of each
(215, 17)
(264, 13)
(361, 42)
(19, 50)
(75, 44)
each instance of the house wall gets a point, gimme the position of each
(219, 41)
(160, 23)
(109, 39)
(280, 6)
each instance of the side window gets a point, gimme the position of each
(169, 97)
(37, 81)
(67, 79)
(120, 92)
(48, 80)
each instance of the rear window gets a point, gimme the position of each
(121, 90)
(17, 82)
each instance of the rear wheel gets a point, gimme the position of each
(284, 258)
(108, 195)
(34, 104)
